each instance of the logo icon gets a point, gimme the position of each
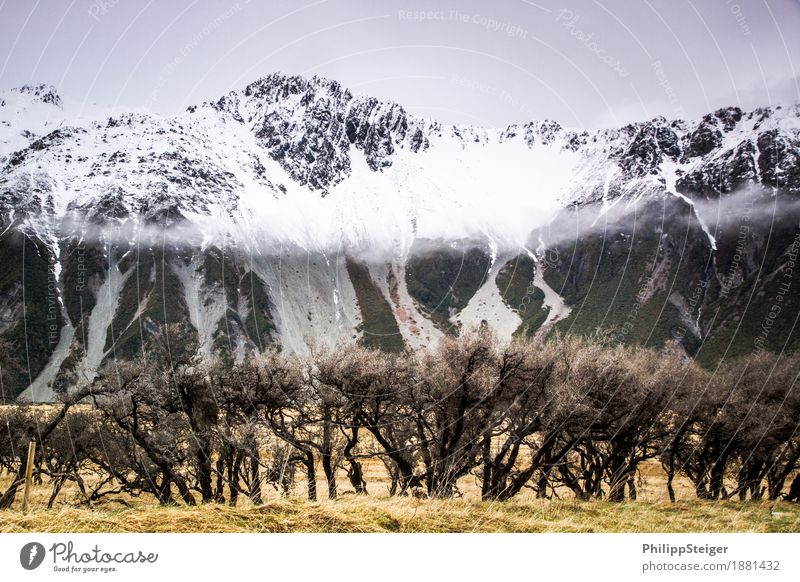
(31, 555)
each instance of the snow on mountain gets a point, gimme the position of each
(304, 161)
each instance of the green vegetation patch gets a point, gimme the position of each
(621, 280)
(260, 323)
(158, 290)
(442, 279)
(753, 302)
(27, 288)
(379, 326)
(515, 282)
(84, 271)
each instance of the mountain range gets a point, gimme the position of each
(293, 213)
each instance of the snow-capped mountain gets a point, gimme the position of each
(292, 211)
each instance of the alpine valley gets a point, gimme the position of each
(293, 214)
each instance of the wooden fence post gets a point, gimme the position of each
(28, 476)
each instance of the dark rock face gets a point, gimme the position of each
(723, 174)
(651, 143)
(547, 131)
(729, 117)
(708, 135)
(308, 142)
(779, 161)
(644, 154)
(228, 103)
(535, 132)
(772, 159)
(376, 130)
(110, 207)
(706, 138)
(42, 92)
(51, 139)
(575, 140)
(313, 139)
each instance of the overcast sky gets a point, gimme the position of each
(583, 63)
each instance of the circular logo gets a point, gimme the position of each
(31, 555)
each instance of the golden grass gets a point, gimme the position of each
(381, 514)
(378, 512)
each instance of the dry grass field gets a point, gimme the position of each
(378, 512)
(368, 514)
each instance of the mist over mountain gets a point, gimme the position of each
(293, 212)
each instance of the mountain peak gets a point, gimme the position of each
(281, 85)
(40, 92)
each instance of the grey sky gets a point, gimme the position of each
(583, 63)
